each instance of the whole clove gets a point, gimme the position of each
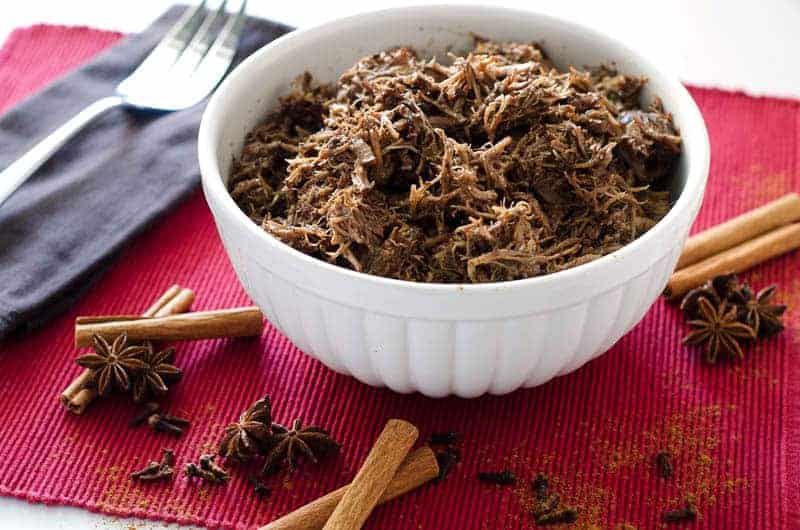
(155, 471)
(687, 513)
(545, 506)
(501, 478)
(176, 420)
(149, 472)
(548, 509)
(664, 465)
(207, 470)
(446, 460)
(444, 438)
(148, 409)
(165, 423)
(259, 487)
(159, 421)
(207, 463)
(193, 470)
(564, 516)
(539, 486)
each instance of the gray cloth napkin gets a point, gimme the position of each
(63, 227)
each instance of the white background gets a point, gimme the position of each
(747, 45)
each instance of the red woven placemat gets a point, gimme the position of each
(734, 429)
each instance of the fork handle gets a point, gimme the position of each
(18, 172)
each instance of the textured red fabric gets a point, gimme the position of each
(733, 428)
(34, 56)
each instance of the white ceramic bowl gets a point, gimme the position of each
(442, 339)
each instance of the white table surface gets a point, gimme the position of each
(739, 44)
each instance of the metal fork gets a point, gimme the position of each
(183, 68)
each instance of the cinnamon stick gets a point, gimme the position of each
(734, 260)
(164, 299)
(237, 322)
(373, 478)
(77, 384)
(419, 467)
(98, 319)
(770, 216)
(77, 396)
(77, 405)
(180, 303)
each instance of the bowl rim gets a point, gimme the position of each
(694, 186)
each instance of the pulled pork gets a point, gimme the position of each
(495, 166)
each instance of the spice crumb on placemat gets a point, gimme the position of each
(692, 438)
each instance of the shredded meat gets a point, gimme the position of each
(494, 166)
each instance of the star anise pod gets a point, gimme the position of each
(690, 305)
(244, 439)
(113, 363)
(719, 329)
(285, 446)
(725, 285)
(760, 313)
(157, 372)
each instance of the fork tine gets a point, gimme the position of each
(202, 61)
(172, 45)
(199, 45)
(219, 57)
(228, 37)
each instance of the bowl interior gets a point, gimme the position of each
(253, 89)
